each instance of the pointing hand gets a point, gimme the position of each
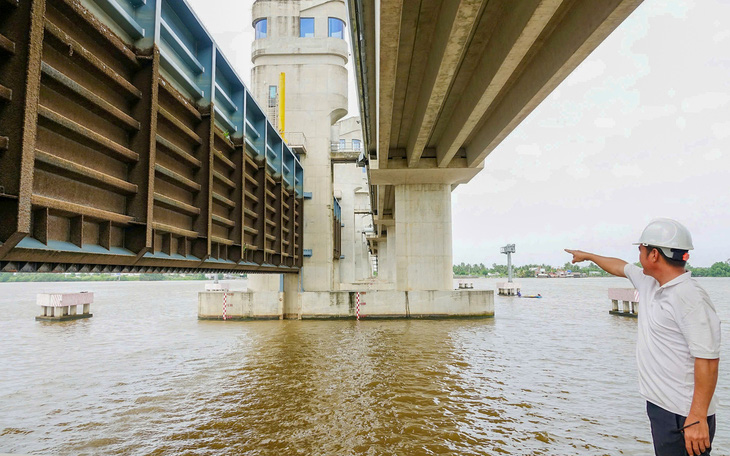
(578, 255)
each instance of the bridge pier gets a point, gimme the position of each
(292, 309)
(423, 233)
(312, 305)
(415, 272)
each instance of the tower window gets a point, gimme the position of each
(306, 27)
(272, 96)
(261, 27)
(337, 28)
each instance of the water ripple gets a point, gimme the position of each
(143, 376)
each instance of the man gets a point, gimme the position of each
(678, 345)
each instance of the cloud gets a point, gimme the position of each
(655, 112)
(579, 171)
(532, 150)
(586, 71)
(604, 122)
(626, 170)
(720, 36)
(721, 130)
(712, 155)
(705, 101)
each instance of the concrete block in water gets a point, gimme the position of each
(240, 305)
(629, 300)
(456, 303)
(342, 304)
(64, 306)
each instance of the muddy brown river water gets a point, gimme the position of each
(143, 376)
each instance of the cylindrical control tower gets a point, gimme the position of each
(305, 40)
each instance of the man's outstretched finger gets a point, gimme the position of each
(575, 256)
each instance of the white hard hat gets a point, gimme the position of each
(672, 236)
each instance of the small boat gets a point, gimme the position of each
(538, 296)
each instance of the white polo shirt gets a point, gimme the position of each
(677, 323)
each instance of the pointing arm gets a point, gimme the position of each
(614, 266)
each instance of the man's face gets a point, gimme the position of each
(644, 256)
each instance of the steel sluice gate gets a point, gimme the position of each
(128, 144)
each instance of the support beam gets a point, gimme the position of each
(381, 200)
(516, 32)
(29, 98)
(391, 254)
(389, 18)
(456, 21)
(427, 172)
(143, 143)
(582, 29)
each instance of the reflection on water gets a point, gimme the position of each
(144, 376)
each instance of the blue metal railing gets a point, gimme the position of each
(338, 210)
(193, 62)
(274, 153)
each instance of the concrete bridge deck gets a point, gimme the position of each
(441, 84)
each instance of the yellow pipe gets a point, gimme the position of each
(282, 104)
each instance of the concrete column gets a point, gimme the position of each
(319, 269)
(347, 264)
(362, 262)
(391, 254)
(292, 309)
(383, 271)
(423, 232)
(264, 282)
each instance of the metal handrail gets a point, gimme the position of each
(346, 146)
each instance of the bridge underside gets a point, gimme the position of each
(454, 78)
(106, 166)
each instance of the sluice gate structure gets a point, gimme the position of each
(128, 144)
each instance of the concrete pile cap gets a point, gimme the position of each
(64, 299)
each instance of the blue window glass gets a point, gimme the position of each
(356, 144)
(306, 27)
(337, 28)
(342, 144)
(261, 28)
(272, 96)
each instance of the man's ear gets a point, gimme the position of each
(654, 255)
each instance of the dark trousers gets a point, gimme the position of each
(665, 425)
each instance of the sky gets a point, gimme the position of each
(641, 129)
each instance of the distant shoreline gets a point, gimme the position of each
(471, 271)
(10, 277)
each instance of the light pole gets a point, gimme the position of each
(509, 249)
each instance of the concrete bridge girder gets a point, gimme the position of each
(447, 70)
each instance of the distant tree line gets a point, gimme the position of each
(93, 277)
(719, 269)
(528, 270)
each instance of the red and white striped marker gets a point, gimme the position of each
(225, 304)
(357, 305)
